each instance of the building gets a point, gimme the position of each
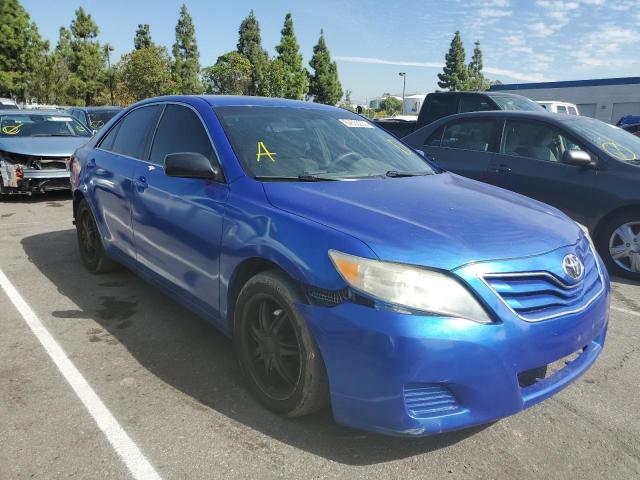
(606, 99)
(413, 104)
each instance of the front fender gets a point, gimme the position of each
(254, 229)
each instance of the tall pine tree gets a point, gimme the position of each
(250, 45)
(324, 84)
(143, 37)
(296, 82)
(88, 60)
(455, 74)
(476, 81)
(186, 66)
(22, 51)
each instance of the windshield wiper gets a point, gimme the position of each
(397, 173)
(52, 135)
(299, 178)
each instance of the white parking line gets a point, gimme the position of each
(624, 310)
(128, 451)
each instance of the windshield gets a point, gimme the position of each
(294, 142)
(24, 125)
(97, 119)
(615, 141)
(515, 103)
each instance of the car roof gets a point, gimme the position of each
(533, 115)
(238, 101)
(34, 112)
(97, 108)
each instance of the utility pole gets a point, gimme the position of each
(108, 48)
(404, 84)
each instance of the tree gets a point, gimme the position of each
(144, 73)
(87, 58)
(231, 75)
(347, 97)
(275, 79)
(186, 66)
(143, 37)
(296, 77)
(324, 84)
(22, 50)
(391, 105)
(250, 45)
(476, 80)
(455, 73)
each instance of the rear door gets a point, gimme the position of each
(111, 168)
(465, 146)
(177, 222)
(530, 162)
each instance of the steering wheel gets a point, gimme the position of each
(341, 158)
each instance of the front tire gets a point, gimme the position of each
(275, 349)
(89, 241)
(619, 244)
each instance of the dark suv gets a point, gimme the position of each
(441, 104)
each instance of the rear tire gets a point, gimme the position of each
(90, 242)
(275, 349)
(618, 243)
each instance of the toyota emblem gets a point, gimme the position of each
(572, 266)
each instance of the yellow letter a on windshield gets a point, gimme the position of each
(263, 151)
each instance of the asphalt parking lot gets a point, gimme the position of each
(171, 382)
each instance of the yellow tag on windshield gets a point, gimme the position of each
(12, 129)
(263, 151)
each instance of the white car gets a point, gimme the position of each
(560, 107)
(8, 104)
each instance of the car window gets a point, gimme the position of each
(98, 118)
(435, 138)
(535, 140)
(134, 131)
(23, 124)
(180, 130)
(561, 109)
(294, 141)
(474, 103)
(107, 141)
(440, 106)
(572, 111)
(516, 103)
(469, 134)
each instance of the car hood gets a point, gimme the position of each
(43, 146)
(441, 221)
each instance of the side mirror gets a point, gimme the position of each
(579, 158)
(189, 165)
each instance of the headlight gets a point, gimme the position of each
(586, 232)
(412, 287)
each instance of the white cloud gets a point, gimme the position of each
(522, 76)
(494, 13)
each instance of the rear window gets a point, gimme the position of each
(439, 106)
(561, 109)
(516, 103)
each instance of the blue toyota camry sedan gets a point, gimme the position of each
(348, 270)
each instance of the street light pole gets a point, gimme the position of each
(404, 84)
(108, 48)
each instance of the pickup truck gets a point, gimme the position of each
(441, 104)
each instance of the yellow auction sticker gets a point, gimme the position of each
(12, 129)
(618, 151)
(263, 151)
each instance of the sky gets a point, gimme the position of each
(373, 40)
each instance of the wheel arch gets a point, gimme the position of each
(605, 218)
(243, 272)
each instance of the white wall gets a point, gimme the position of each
(605, 102)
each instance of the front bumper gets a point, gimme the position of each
(34, 180)
(402, 374)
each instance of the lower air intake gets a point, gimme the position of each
(429, 399)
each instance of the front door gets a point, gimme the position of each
(177, 222)
(530, 162)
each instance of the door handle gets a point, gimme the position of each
(502, 168)
(91, 164)
(141, 183)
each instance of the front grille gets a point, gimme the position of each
(429, 399)
(536, 296)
